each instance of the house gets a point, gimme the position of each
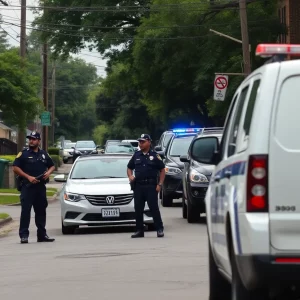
(289, 14)
(5, 132)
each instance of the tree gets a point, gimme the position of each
(76, 115)
(18, 90)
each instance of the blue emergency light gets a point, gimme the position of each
(186, 130)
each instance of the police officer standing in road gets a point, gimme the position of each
(149, 176)
(29, 165)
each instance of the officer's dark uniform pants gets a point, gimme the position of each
(143, 193)
(35, 196)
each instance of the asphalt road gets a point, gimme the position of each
(106, 263)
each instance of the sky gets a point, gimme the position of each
(13, 15)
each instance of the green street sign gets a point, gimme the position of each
(46, 118)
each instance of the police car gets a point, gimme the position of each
(253, 202)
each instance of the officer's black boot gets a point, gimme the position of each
(45, 239)
(24, 240)
(160, 233)
(138, 234)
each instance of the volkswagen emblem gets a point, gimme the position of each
(110, 199)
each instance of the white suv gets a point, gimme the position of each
(253, 200)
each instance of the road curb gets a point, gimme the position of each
(5, 221)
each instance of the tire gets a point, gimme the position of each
(166, 201)
(193, 213)
(184, 208)
(68, 229)
(238, 290)
(219, 287)
(65, 161)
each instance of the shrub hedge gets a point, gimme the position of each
(53, 151)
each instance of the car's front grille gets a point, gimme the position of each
(126, 216)
(109, 200)
(86, 151)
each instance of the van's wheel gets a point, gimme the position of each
(68, 229)
(219, 287)
(193, 213)
(184, 208)
(238, 290)
(166, 201)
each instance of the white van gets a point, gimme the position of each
(253, 200)
(134, 143)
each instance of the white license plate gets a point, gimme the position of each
(110, 212)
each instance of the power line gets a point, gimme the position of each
(10, 35)
(110, 38)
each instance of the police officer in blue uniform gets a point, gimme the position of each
(28, 165)
(149, 176)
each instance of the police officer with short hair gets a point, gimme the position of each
(29, 165)
(149, 176)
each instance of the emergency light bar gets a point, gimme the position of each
(266, 50)
(186, 130)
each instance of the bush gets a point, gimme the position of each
(57, 161)
(53, 151)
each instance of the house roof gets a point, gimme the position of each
(4, 127)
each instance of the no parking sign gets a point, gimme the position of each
(220, 87)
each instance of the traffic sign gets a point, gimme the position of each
(46, 118)
(220, 87)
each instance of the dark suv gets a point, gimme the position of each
(84, 148)
(172, 186)
(195, 179)
(164, 140)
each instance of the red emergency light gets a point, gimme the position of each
(267, 50)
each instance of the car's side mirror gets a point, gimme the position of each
(158, 148)
(184, 158)
(205, 150)
(161, 154)
(60, 178)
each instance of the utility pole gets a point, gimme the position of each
(53, 103)
(45, 93)
(21, 131)
(245, 36)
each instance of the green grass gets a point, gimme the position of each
(50, 191)
(3, 216)
(9, 200)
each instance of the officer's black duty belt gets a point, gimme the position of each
(147, 181)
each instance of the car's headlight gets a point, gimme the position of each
(172, 170)
(94, 152)
(195, 176)
(66, 153)
(73, 197)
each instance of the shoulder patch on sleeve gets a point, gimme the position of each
(19, 155)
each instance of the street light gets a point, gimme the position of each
(228, 37)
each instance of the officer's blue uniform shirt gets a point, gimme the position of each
(33, 163)
(146, 165)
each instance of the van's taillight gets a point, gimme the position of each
(257, 184)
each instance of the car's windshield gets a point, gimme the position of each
(69, 145)
(87, 144)
(119, 149)
(134, 144)
(102, 167)
(180, 146)
(167, 139)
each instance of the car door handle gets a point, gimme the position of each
(228, 174)
(217, 178)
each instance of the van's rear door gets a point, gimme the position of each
(284, 160)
